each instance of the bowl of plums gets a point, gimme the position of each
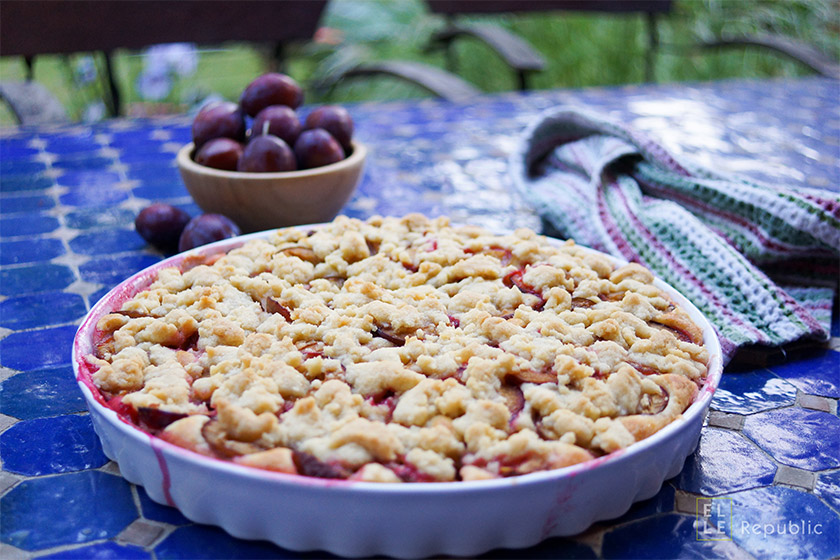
(263, 164)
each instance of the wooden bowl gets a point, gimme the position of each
(261, 201)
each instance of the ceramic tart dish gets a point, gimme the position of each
(398, 386)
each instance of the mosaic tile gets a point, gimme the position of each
(828, 488)
(161, 190)
(51, 445)
(181, 135)
(158, 512)
(215, 543)
(725, 462)
(133, 140)
(24, 183)
(30, 250)
(26, 203)
(42, 309)
(72, 144)
(816, 403)
(817, 375)
(725, 420)
(91, 218)
(807, 439)
(107, 242)
(71, 505)
(87, 163)
(141, 533)
(100, 293)
(30, 350)
(550, 549)
(791, 476)
(17, 149)
(28, 224)
(153, 172)
(101, 551)
(102, 194)
(779, 522)
(22, 167)
(113, 270)
(662, 502)
(41, 393)
(35, 278)
(132, 156)
(665, 536)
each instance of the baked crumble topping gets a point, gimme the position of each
(401, 349)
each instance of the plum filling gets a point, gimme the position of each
(303, 253)
(309, 465)
(409, 473)
(131, 313)
(104, 345)
(677, 332)
(193, 261)
(373, 246)
(337, 280)
(312, 350)
(155, 419)
(532, 376)
(511, 391)
(274, 306)
(654, 404)
(644, 370)
(514, 400)
(216, 437)
(122, 409)
(514, 278)
(184, 341)
(389, 335)
(386, 400)
(582, 302)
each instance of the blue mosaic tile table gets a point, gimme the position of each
(767, 469)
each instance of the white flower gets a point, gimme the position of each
(178, 58)
(94, 112)
(85, 70)
(154, 86)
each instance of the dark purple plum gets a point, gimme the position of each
(161, 225)
(205, 229)
(279, 120)
(220, 153)
(335, 120)
(266, 154)
(218, 120)
(270, 89)
(316, 148)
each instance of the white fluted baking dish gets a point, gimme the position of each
(408, 520)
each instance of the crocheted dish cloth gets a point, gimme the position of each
(728, 244)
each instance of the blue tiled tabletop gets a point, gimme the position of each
(766, 472)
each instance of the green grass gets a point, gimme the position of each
(581, 50)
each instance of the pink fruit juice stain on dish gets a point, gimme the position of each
(166, 481)
(559, 510)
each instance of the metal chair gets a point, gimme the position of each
(514, 50)
(30, 28)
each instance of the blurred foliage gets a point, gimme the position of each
(581, 49)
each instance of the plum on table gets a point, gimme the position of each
(316, 147)
(266, 154)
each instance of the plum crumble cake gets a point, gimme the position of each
(400, 350)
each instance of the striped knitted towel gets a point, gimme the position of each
(727, 243)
